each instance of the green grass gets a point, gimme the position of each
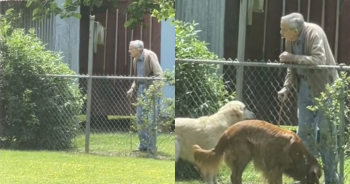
(250, 176)
(123, 144)
(19, 167)
(102, 166)
(109, 117)
(106, 163)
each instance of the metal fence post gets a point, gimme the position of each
(154, 119)
(241, 48)
(239, 83)
(1, 81)
(342, 130)
(89, 86)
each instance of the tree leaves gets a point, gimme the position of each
(37, 107)
(199, 90)
(161, 9)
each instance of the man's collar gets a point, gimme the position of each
(301, 37)
(142, 55)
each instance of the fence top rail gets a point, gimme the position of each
(103, 77)
(341, 66)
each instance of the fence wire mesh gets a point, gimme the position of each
(113, 123)
(199, 93)
(57, 113)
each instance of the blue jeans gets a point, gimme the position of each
(147, 133)
(308, 122)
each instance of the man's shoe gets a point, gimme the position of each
(141, 149)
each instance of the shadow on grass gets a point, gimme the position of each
(124, 144)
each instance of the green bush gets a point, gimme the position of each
(200, 90)
(165, 106)
(339, 93)
(40, 112)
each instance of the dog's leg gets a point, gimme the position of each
(237, 168)
(208, 179)
(205, 172)
(304, 181)
(238, 159)
(211, 178)
(215, 178)
(177, 150)
(274, 177)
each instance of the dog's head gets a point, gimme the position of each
(238, 110)
(314, 174)
(307, 169)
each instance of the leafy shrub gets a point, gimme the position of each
(339, 93)
(40, 112)
(165, 106)
(200, 90)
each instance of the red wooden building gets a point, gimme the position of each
(112, 58)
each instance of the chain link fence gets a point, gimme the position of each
(102, 121)
(258, 88)
(113, 127)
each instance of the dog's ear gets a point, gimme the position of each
(289, 144)
(315, 174)
(317, 170)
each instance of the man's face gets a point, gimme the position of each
(288, 33)
(134, 52)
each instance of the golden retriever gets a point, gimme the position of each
(206, 131)
(274, 152)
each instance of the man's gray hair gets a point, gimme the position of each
(294, 20)
(138, 44)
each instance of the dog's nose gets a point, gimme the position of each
(253, 115)
(250, 114)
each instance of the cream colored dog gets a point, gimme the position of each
(206, 131)
(177, 150)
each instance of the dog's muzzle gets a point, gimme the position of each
(249, 114)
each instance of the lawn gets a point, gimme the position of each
(19, 167)
(102, 166)
(106, 163)
(123, 144)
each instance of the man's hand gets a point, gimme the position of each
(287, 57)
(282, 94)
(129, 93)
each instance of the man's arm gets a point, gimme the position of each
(288, 82)
(317, 55)
(133, 85)
(289, 78)
(154, 65)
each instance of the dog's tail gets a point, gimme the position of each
(210, 159)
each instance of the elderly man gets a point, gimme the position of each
(144, 64)
(307, 44)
